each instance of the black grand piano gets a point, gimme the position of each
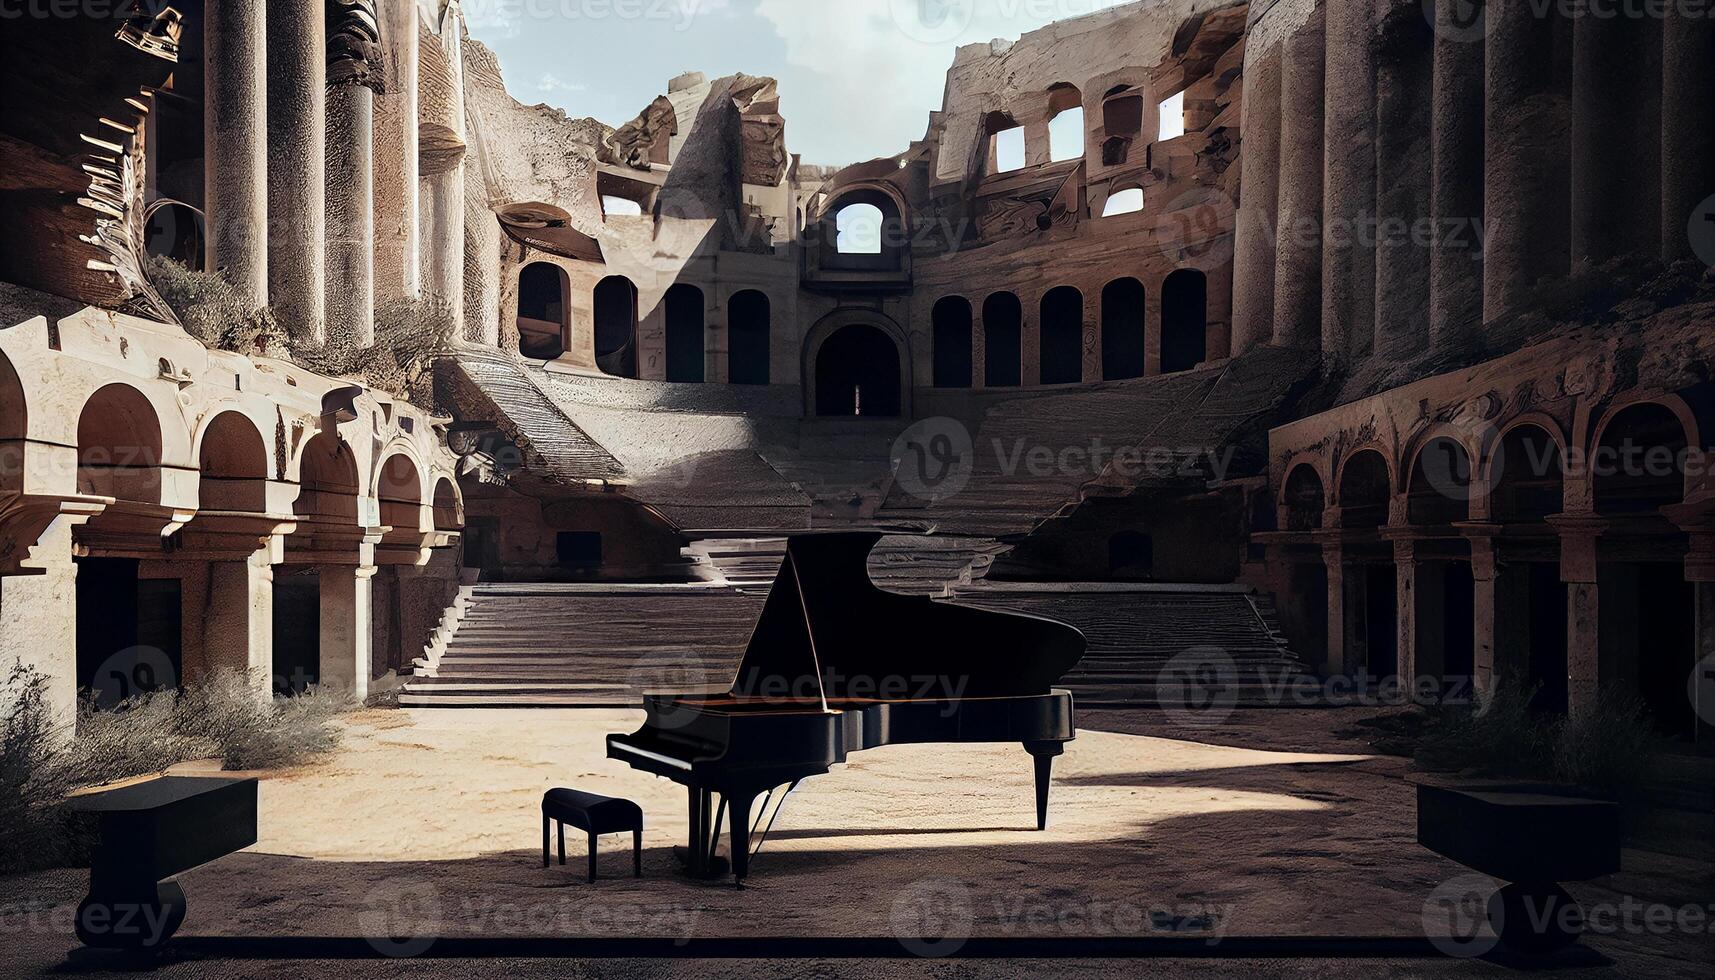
(836, 665)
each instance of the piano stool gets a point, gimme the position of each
(595, 815)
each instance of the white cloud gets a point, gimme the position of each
(549, 82)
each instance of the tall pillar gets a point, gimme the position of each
(1336, 662)
(1298, 246)
(1405, 593)
(347, 634)
(1578, 567)
(979, 347)
(397, 263)
(1403, 76)
(1616, 136)
(1259, 204)
(38, 624)
(238, 626)
(1526, 175)
(1687, 146)
(440, 93)
(482, 263)
(235, 144)
(1483, 575)
(1349, 183)
(354, 68)
(297, 166)
(1456, 181)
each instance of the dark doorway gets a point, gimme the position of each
(1381, 621)
(1003, 341)
(952, 342)
(685, 344)
(1661, 653)
(297, 630)
(1547, 655)
(482, 546)
(749, 324)
(616, 326)
(1062, 337)
(119, 655)
(1122, 330)
(1184, 321)
(1131, 556)
(857, 373)
(1458, 642)
(578, 550)
(542, 289)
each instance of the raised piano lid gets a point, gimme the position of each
(826, 631)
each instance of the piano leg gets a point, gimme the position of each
(1044, 753)
(740, 837)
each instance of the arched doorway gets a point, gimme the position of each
(1304, 499)
(1647, 614)
(1372, 604)
(1527, 480)
(685, 334)
(1003, 341)
(1123, 329)
(1062, 336)
(749, 327)
(544, 294)
(1438, 497)
(327, 482)
(119, 446)
(952, 342)
(234, 466)
(616, 327)
(1184, 320)
(857, 373)
(400, 492)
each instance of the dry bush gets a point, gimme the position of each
(213, 311)
(1611, 748)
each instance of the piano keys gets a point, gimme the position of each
(836, 665)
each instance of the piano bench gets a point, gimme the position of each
(594, 815)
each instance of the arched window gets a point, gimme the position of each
(859, 228)
(1304, 499)
(1128, 201)
(685, 344)
(857, 373)
(952, 342)
(400, 491)
(1006, 143)
(616, 326)
(1527, 478)
(327, 481)
(174, 230)
(234, 465)
(1184, 321)
(1003, 340)
(1639, 465)
(1062, 336)
(1440, 488)
(1364, 491)
(1172, 117)
(1065, 123)
(543, 293)
(1122, 329)
(1122, 123)
(119, 446)
(749, 326)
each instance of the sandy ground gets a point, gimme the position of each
(427, 824)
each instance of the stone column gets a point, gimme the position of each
(38, 624)
(1705, 639)
(1259, 206)
(482, 263)
(297, 166)
(1483, 574)
(1616, 136)
(1334, 559)
(1687, 146)
(1298, 239)
(440, 70)
(1526, 175)
(347, 635)
(1578, 565)
(238, 627)
(1456, 179)
(235, 144)
(1405, 593)
(1403, 75)
(354, 69)
(397, 265)
(1349, 183)
(1030, 341)
(979, 347)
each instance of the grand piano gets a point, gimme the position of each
(835, 665)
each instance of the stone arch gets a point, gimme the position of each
(119, 446)
(1438, 491)
(1003, 340)
(544, 310)
(1365, 487)
(873, 335)
(615, 311)
(750, 332)
(1067, 128)
(328, 485)
(1628, 468)
(1303, 499)
(399, 490)
(233, 459)
(951, 343)
(1123, 328)
(1525, 471)
(14, 426)
(894, 231)
(687, 333)
(448, 504)
(1060, 340)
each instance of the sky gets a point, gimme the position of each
(858, 78)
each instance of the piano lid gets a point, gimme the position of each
(826, 631)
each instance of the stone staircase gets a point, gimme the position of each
(843, 465)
